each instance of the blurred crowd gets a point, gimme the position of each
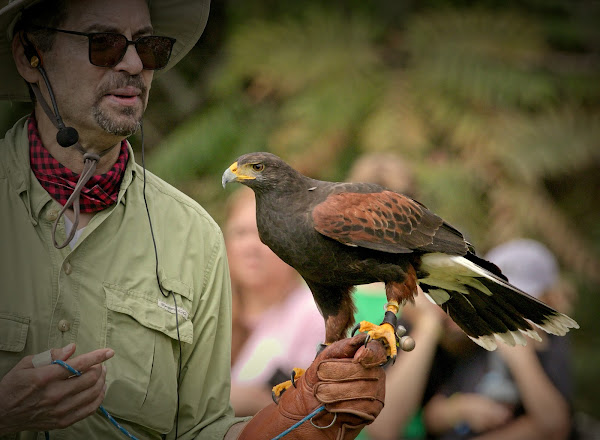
(447, 387)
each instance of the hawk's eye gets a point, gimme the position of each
(257, 166)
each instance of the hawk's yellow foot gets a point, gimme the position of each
(280, 388)
(384, 331)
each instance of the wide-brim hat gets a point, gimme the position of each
(183, 20)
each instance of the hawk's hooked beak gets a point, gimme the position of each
(234, 174)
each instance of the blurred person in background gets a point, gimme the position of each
(265, 290)
(514, 392)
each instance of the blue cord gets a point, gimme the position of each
(295, 425)
(108, 416)
(124, 431)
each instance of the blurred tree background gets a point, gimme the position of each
(494, 104)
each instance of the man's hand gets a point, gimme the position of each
(46, 398)
(346, 378)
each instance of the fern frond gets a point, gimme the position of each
(550, 144)
(293, 53)
(484, 58)
(395, 125)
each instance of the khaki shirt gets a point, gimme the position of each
(104, 293)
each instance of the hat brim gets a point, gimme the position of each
(183, 20)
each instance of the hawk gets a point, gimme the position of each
(339, 235)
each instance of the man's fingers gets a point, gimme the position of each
(63, 353)
(371, 355)
(84, 411)
(45, 358)
(86, 390)
(88, 401)
(374, 354)
(336, 370)
(344, 348)
(42, 359)
(82, 383)
(85, 361)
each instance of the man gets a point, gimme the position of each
(108, 268)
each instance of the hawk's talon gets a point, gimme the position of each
(296, 374)
(385, 331)
(279, 389)
(355, 329)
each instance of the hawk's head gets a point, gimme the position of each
(261, 172)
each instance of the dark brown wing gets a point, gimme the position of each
(385, 221)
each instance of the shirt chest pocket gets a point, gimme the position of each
(13, 336)
(13, 332)
(142, 330)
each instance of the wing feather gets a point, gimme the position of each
(385, 221)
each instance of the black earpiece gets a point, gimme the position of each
(34, 58)
(30, 52)
(66, 136)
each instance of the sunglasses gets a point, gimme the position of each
(107, 49)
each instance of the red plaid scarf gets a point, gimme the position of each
(99, 193)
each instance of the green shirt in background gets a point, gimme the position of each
(370, 303)
(104, 293)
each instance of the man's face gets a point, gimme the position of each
(100, 102)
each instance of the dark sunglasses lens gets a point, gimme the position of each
(107, 49)
(154, 51)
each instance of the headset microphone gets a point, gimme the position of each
(66, 136)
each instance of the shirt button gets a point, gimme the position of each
(51, 215)
(68, 268)
(64, 325)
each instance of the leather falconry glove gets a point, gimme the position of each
(346, 377)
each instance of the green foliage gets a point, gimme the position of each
(551, 144)
(480, 59)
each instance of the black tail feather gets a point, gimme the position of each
(467, 318)
(478, 298)
(487, 265)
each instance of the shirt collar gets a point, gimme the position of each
(27, 185)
